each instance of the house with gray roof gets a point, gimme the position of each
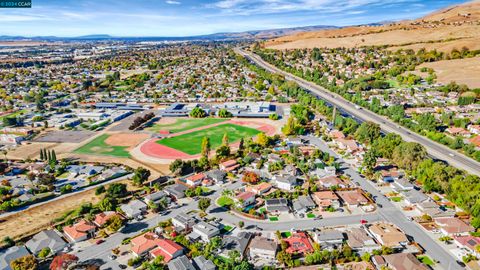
(414, 196)
(177, 191)
(156, 197)
(205, 230)
(201, 263)
(277, 206)
(238, 243)
(303, 204)
(218, 176)
(11, 254)
(181, 263)
(329, 239)
(46, 239)
(183, 221)
(134, 209)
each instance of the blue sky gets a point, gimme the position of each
(189, 17)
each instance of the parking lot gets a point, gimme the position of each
(67, 136)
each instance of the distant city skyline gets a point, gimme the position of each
(176, 18)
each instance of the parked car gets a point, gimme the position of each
(99, 241)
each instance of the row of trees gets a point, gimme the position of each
(141, 120)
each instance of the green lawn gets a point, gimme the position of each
(225, 201)
(286, 234)
(426, 260)
(183, 124)
(310, 215)
(273, 218)
(396, 199)
(191, 143)
(99, 147)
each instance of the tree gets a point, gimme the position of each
(223, 152)
(140, 176)
(42, 154)
(408, 155)
(224, 113)
(290, 127)
(99, 190)
(117, 190)
(369, 161)
(107, 204)
(263, 139)
(24, 263)
(54, 156)
(225, 139)
(198, 112)
(62, 261)
(367, 132)
(250, 177)
(241, 224)
(206, 146)
(273, 116)
(8, 242)
(204, 203)
(114, 223)
(44, 253)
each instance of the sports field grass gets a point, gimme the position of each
(98, 147)
(191, 143)
(184, 124)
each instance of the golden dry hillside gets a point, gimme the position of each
(444, 30)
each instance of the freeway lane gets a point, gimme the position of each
(435, 149)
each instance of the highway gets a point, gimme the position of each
(434, 149)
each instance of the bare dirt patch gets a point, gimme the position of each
(126, 139)
(38, 218)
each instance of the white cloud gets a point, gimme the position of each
(173, 2)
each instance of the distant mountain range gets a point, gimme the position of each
(247, 35)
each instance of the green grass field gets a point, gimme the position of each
(191, 143)
(184, 124)
(99, 147)
(426, 260)
(225, 201)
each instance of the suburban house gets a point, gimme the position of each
(277, 206)
(180, 263)
(350, 146)
(176, 191)
(404, 261)
(238, 243)
(79, 231)
(46, 239)
(245, 199)
(264, 248)
(402, 184)
(260, 189)
(183, 222)
(229, 165)
(360, 241)
(352, 198)
(332, 181)
(102, 218)
(388, 235)
(299, 243)
(150, 243)
(453, 226)
(201, 263)
(285, 182)
(468, 242)
(217, 176)
(326, 199)
(302, 205)
(205, 231)
(134, 209)
(329, 239)
(433, 210)
(195, 180)
(475, 129)
(414, 196)
(11, 254)
(157, 197)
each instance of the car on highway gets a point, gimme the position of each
(99, 241)
(379, 205)
(112, 257)
(452, 155)
(318, 217)
(363, 221)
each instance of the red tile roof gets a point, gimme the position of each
(157, 246)
(299, 243)
(78, 230)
